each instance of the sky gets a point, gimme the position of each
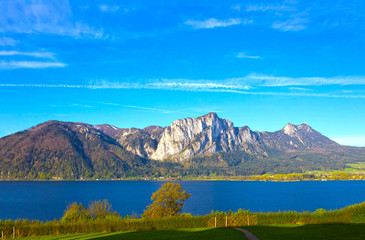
(138, 63)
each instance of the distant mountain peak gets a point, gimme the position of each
(210, 115)
(102, 126)
(304, 126)
(290, 129)
(293, 130)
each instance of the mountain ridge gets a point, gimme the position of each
(203, 145)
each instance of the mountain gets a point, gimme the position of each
(63, 150)
(186, 138)
(142, 142)
(190, 137)
(191, 146)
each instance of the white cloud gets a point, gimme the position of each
(300, 89)
(6, 41)
(270, 7)
(285, 16)
(243, 55)
(48, 55)
(107, 8)
(213, 23)
(248, 82)
(273, 81)
(350, 141)
(195, 85)
(172, 87)
(42, 16)
(292, 24)
(81, 105)
(249, 85)
(29, 64)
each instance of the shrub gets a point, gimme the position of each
(75, 213)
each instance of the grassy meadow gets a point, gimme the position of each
(183, 234)
(334, 231)
(351, 217)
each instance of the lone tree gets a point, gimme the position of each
(167, 201)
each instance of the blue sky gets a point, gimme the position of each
(140, 63)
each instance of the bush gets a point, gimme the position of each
(75, 213)
(101, 209)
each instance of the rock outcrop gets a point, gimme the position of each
(189, 137)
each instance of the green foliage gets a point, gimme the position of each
(76, 213)
(101, 209)
(319, 212)
(112, 223)
(97, 210)
(167, 201)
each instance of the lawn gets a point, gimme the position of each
(183, 234)
(312, 232)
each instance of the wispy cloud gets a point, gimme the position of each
(30, 64)
(244, 55)
(292, 24)
(350, 141)
(166, 87)
(81, 105)
(6, 41)
(50, 17)
(270, 7)
(253, 84)
(300, 89)
(48, 55)
(195, 85)
(107, 8)
(275, 81)
(284, 16)
(213, 23)
(293, 94)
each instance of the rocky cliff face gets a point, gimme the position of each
(189, 137)
(142, 142)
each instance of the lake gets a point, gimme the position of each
(48, 200)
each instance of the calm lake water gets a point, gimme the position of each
(48, 200)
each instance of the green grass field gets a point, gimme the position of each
(275, 232)
(183, 234)
(313, 232)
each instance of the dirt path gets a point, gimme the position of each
(248, 234)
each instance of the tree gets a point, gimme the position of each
(167, 201)
(101, 209)
(75, 213)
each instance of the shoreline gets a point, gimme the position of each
(176, 180)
